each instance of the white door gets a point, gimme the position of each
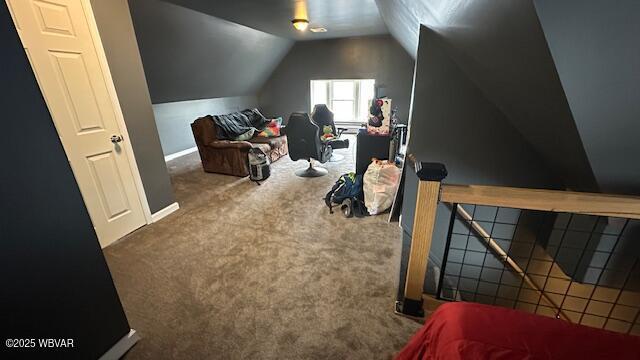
(59, 44)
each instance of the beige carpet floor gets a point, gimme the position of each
(261, 272)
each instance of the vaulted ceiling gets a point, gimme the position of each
(189, 55)
(341, 18)
(531, 58)
(565, 73)
(502, 49)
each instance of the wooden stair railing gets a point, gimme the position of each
(543, 200)
(431, 191)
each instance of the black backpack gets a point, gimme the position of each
(347, 193)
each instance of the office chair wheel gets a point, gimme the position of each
(347, 208)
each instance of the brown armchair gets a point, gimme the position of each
(230, 157)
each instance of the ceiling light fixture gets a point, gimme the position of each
(318, 29)
(300, 24)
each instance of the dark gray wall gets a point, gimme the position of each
(174, 118)
(453, 123)
(371, 57)
(595, 47)
(55, 281)
(121, 48)
(189, 55)
(500, 46)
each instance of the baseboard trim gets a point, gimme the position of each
(157, 216)
(180, 153)
(122, 346)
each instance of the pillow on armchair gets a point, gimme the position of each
(246, 136)
(272, 129)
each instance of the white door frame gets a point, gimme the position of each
(104, 65)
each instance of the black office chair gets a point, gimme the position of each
(304, 141)
(322, 116)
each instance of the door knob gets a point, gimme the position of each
(116, 138)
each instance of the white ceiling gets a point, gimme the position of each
(342, 18)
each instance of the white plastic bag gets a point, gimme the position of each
(380, 182)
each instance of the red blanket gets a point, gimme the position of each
(475, 331)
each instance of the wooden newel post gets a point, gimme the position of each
(430, 175)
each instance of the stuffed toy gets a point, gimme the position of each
(327, 133)
(376, 118)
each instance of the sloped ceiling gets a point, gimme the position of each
(190, 55)
(342, 18)
(501, 47)
(596, 50)
(404, 17)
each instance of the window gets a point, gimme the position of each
(348, 99)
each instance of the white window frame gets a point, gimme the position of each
(359, 114)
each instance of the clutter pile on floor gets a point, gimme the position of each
(369, 194)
